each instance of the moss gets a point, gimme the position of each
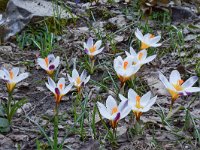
(3, 4)
(110, 26)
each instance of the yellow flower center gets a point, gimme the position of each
(125, 65)
(46, 61)
(178, 86)
(144, 45)
(138, 102)
(11, 74)
(114, 110)
(78, 80)
(92, 49)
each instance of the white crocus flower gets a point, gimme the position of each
(176, 86)
(140, 58)
(112, 111)
(11, 77)
(77, 80)
(50, 63)
(92, 49)
(138, 104)
(59, 89)
(125, 68)
(148, 40)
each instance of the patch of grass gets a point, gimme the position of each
(3, 5)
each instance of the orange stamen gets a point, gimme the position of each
(114, 110)
(78, 80)
(11, 74)
(46, 61)
(140, 56)
(125, 65)
(138, 102)
(60, 86)
(92, 49)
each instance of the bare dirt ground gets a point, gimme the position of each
(117, 22)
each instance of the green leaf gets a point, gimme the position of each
(2, 113)
(16, 106)
(3, 123)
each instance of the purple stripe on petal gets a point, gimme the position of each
(57, 91)
(86, 51)
(51, 67)
(117, 117)
(188, 93)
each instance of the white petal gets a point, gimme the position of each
(174, 77)
(86, 80)
(42, 63)
(166, 83)
(61, 81)
(145, 99)
(21, 77)
(192, 89)
(71, 80)
(144, 54)
(155, 39)
(51, 57)
(110, 103)
(56, 62)
(122, 98)
(90, 42)
(51, 83)
(132, 94)
(151, 102)
(148, 59)
(75, 74)
(15, 71)
(156, 45)
(127, 53)
(125, 112)
(7, 74)
(103, 111)
(98, 51)
(98, 44)
(139, 35)
(83, 75)
(2, 74)
(190, 82)
(50, 88)
(67, 89)
(132, 52)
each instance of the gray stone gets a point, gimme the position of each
(20, 12)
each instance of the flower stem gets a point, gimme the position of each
(56, 128)
(92, 66)
(9, 107)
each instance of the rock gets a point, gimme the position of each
(6, 143)
(118, 20)
(18, 138)
(20, 12)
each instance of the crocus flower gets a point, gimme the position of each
(112, 111)
(125, 68)
(92, 49)
(11, 77)
(77, 80)
(58, 90)
(140, 58)
(176, 86)
(148, 40)
(138, 104)
(50, 63)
